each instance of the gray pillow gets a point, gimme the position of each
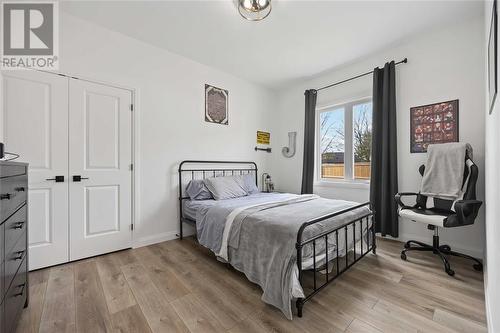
(226, 187)
(249, 183)
(197, 190)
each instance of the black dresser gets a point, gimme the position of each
(13, 243)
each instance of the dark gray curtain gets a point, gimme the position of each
(384, 173)
(309, 125)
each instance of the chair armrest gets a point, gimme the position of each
(467, 210)
(400, 203)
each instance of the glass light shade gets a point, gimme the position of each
(254, 10)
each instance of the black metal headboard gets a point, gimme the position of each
(197, 169)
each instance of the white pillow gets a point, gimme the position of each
(197, 190)
(226, 187)
(249, 183)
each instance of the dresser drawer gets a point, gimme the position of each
(1, 317)
(13, 193)
(15, 226)
(2, 266)
(14, 258)
(10, 170)
(15, 298)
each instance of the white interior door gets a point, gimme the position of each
(100, 151)
(35, 125)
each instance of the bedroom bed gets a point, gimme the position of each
(263, 235)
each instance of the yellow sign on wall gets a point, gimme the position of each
(263, 138)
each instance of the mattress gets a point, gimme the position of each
(210, 232)
(191, 207)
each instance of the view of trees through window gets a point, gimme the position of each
(362, 140)
(332, 133)
(334, 137)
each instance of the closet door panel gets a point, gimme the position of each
(35, 125)
(100, 152)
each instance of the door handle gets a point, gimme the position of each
(18, 225)
(78, 178)
(58, 179)
(20, 255)
(5, 196)
(22, 286)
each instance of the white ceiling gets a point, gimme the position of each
(299, 38)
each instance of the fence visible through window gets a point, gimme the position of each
(361, 170)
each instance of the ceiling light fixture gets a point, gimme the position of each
(254, 10)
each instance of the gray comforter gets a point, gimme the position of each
(261, 240)
(211, 215)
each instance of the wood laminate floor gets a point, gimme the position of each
(178, 286)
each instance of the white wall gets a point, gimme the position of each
(442, 65)
(492, 267)
(170, 111)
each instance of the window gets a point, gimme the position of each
(345, 137)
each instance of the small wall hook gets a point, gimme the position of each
(263, 149)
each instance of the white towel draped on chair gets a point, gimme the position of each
(444, 171)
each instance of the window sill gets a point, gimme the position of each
(341, 183)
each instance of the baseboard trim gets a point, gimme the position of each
(489, 314)
(150, 240)
(490, 318)
(162, 237)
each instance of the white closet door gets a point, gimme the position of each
(100, 151)
(35, 125)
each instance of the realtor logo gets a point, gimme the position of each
(30, 35)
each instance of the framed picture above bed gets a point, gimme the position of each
(492, 58)
(216, 105)
(433, 123)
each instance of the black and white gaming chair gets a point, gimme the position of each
(439, 213)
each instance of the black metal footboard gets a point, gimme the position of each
(361, 226)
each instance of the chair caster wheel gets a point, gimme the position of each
(407, 246)
(403, 256)
(450, 272)
(478, 267)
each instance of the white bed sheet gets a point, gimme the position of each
(191, 207)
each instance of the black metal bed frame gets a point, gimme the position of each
(363, 222)
(208, 173)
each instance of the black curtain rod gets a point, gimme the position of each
(404, 61)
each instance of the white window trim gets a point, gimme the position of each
(342, 183)
(348, 180)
